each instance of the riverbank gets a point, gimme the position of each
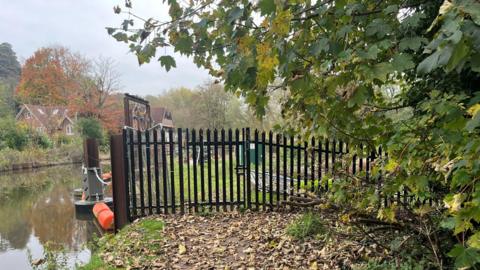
(35, 157)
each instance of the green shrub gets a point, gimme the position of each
(41, 140)
(90, 128)
(62, 139)
(308, 225)
(13, 135)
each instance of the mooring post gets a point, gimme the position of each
(91, 155)
(92, 187)
(119, 181)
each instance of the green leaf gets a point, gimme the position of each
(184, 44)
(345, 30)
(370, 54)
(381, 71)
(460, 51)
(378, 27)
(412, 43)
(448, 223)
(121, 37)
(267, 7)
(474, 241)
(402, 62)
(417, 183)
(475, 62)
(460, 178)
(358, 97)
(147, 52)
(390, 9)
(167, 61)
(234, 14)
(391, 165)
(473, 123)
(464, 257)
(110, 30)
(428, 64)
(319, 46)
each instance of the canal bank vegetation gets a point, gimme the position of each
(22, 148)
(133, 246)
(90, 104)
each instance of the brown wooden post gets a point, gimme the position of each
(91, 156)
(119, 181)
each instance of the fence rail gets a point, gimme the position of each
(189, 171)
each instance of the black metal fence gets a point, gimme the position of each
(170, 171)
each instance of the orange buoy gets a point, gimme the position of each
(104, 215)
(107, 176)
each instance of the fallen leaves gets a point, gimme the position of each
(181, 249)
(231, 240)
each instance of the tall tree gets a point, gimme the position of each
(95, 96)
(9, 65)
(52, 76)
(9, 76)
(57, 76)
(212, 104)
(334, 60)
(180, 102)
(209, 106)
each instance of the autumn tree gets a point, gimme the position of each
(57, 76)
(51, 76)
(333, 59)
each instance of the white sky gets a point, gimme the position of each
(80, 26)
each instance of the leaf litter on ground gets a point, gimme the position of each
(233, 240)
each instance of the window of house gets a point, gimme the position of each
(27, 115)
(69, 130)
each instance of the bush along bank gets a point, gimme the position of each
(35, 157)
(24, 148)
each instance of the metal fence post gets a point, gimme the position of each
(119, 181)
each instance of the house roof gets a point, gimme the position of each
(161, 115)
(46, 115)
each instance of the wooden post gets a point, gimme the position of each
(119, 180)
(91, 155)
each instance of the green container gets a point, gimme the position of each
(251, 152)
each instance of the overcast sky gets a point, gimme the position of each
(80, 26)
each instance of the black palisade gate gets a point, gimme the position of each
(182, 171)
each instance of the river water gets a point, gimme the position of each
(37, 216)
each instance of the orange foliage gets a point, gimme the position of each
(56, 76)
(51, 76)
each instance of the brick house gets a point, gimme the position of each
(162, 116)
(47, 119)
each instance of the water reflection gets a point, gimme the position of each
(37, 208)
